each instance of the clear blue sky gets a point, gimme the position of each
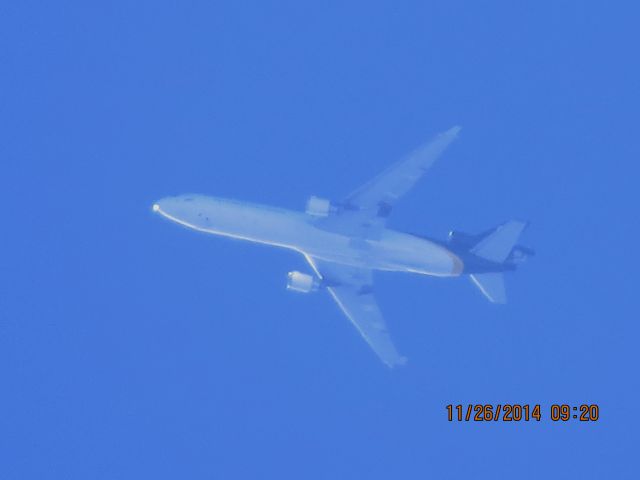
(131, 348)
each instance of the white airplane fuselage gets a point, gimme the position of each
(389, 250)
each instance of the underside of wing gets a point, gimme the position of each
(381, 193)
(351, 288)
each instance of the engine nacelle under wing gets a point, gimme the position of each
(301, 282)
(319, 207)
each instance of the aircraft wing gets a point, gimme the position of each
(351, 288)
(379, 195)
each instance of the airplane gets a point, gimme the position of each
(344, 242)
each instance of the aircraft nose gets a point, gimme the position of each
(163, 205)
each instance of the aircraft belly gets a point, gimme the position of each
(393, 252)
(241, 221)
(402, 252)
(389, 250)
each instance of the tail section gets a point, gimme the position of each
(491, 285)
(498, 246)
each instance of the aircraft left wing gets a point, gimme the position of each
(351, 288)
(381, 193)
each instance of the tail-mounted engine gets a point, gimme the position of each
(320, 207)
(519, 254)
(301, 282)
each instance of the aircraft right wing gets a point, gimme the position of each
(351, 288)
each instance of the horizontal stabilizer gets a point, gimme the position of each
(491, 285)
(497, 246)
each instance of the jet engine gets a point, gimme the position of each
(519, 254)
(301, 282)
(319, 207)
